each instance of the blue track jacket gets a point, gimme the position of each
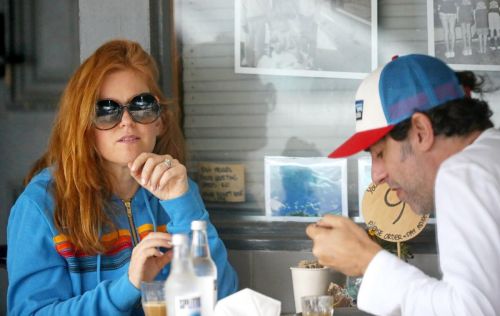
(49, 276)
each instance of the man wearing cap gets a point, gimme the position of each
(435, 146)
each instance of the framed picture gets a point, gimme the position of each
(364, 179)
(304, 188)
(464, 34)
(313, 38)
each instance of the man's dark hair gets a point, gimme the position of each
(454, 118)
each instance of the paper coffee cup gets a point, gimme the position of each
(307, 282)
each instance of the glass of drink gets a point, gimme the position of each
(153, 298)
(317, 305)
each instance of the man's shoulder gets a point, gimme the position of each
(487, 142)
(483, 152)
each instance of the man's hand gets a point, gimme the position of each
(342, 245)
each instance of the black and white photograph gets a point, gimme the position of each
(305, 187)
(313, 38)
(465, 33)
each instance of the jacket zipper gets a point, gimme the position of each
(131, 221)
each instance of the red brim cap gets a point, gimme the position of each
(360, 141)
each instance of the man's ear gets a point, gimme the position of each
(422, 133)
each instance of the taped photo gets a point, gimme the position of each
(305, 187)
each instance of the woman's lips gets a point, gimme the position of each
(128, 139)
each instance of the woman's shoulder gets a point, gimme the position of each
(40, 182)
(34, 202)
(38, 190)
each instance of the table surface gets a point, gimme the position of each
(345, 311)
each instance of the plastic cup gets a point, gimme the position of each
(153, 298)
(317, 305)
(307, 282)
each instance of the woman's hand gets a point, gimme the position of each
(147, 260)
(161, 175)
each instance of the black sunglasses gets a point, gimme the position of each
(143, 108)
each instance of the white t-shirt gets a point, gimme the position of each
(467, 194)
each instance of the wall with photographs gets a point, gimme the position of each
(253, 89)
(237, 116)
(240, 118)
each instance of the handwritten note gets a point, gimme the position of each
(221, 182)
(394, 237)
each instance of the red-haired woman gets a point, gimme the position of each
(96, 217)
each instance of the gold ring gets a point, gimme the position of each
(168, 162)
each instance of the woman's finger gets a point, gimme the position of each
(149, 167)
(178, 171)
(159, 170)
(136, 165)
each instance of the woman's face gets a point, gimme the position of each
(124, 142)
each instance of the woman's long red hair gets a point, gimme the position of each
(81, 187)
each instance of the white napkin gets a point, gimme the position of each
(247, 302)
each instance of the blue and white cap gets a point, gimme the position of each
(393, 93)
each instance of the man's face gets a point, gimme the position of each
(396, 163)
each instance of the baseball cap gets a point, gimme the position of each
(393, 93)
